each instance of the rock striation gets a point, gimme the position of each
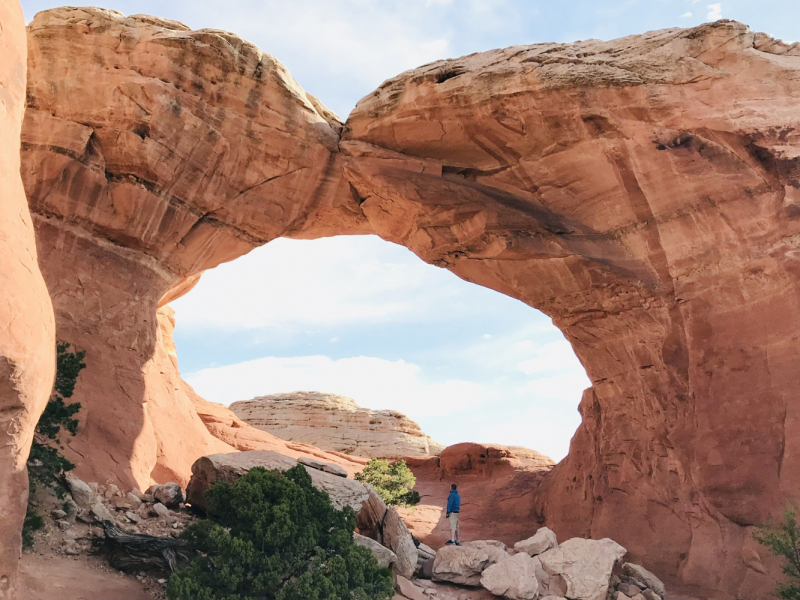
(27, 327)
(333, 422)
(642, 192)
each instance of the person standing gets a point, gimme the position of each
(453, 511)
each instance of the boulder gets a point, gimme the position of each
(80, 491)
(629, 589)
(369, 518)
(513, 578)
(585, 565)
(229, 467)
(321, 466)
(464, 564)
(646, 577)
(549, 585)
(408, 589)
(169, 494)
(398, 539)
(385, 557)
(544, 539)
(649, 594)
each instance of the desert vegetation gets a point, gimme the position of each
(394, 482)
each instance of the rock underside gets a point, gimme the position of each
(333, 422)
(642, 192)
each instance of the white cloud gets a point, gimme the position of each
(686, 15)
(324, 283)
(714, 12)
(372, 382)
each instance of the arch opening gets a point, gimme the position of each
(364, 318)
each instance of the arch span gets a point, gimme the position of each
(641, 192)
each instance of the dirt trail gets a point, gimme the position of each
(61, 578)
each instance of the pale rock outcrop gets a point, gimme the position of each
(585, 566)
(27, 328)
(334, 422)
(409, 590)
(513, 578)
(83, 495)
(384, 556)
(544, 539)
(229, 467)
(464, 564)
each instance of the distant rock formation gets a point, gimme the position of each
(337, 423)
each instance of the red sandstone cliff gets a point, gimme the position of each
(27, 327)
(642, 192)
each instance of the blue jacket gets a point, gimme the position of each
(453, 502)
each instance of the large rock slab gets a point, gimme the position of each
(513, 578)
(384, 556)
(464, 564)
(544, 539)
(585, 566)
(229, 467)
(396, 537)
(334, 422)
(27, 328)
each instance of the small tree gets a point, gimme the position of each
(784, 540)
(273, 536)
(46, 462)
(393, 481)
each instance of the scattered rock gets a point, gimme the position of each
(629, 589)
(649, 594)
(160, 510)
(397, 538)
(101, 513)
(385, 557)
(58, 514)
(646, 577)
(464, 564)
(169, 494)
(80, 491)
(408, 589)
(133, 517)
(585, 565)
(134, 500)
(544, 539)
(513, 578)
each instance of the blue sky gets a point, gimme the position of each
(364, 318)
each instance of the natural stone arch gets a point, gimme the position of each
(637, 191)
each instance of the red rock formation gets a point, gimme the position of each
(497, 485)
(27, 328)
(642, 192)
(151, 153)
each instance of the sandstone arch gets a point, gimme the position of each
(641, 192)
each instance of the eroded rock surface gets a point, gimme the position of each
(334, 422)
(642, 192)
(27, 328)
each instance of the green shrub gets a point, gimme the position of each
(46, 463)
(784, 540)
(392, 481)
(273, 536)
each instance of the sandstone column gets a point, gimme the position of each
(27, 328)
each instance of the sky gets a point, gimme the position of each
(367, 319)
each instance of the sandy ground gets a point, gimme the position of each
(63, 578)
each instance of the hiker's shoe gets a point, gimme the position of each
(458, 543)
(450, 543)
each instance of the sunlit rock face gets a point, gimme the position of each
(644, 193)
(337, 423)
(150, 153)
(27, 327)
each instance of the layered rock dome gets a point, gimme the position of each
(333, 422)
(643, 192)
